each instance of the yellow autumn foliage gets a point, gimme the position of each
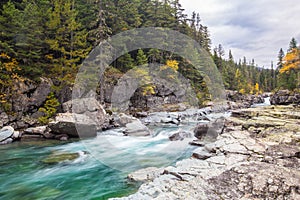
(145, 80)
(10, 64)
(291, 61)
(173, 64)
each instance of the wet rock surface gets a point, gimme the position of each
(256, 157)
(136, 128)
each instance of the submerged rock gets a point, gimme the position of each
(56, 158)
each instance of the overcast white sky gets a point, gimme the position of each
(252, 28)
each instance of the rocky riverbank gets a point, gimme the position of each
(84, 117)
(285, 97)
(257, 156)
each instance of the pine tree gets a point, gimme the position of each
(141, 58)
(206, 39)
(280, 59)
(293, 44)
(67, 41)
(125, 62)
(230, 57)
(10, 23)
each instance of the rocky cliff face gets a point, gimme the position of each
(256, 157)
(27, 97)
(127, 93)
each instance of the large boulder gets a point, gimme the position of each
(285, 97)
(9, 135)
(136, 128)
(180, 135)
(209, 130)
(74, 125)
(123, 119)
(88, 107)
(6, 132)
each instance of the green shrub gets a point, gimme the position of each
(49, 108)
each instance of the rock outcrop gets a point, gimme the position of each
(23, 112)
(285, 97)
(256, 157)
(246, 100)
(9, 135)
(82, 118)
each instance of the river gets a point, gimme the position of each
(100, 171)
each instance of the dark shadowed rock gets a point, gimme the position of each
(243, 101)
(209, 130)
(3, 119)
(40, 94)
(285, 97)
(180, 135)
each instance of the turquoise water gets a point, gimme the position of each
(99, 174)
(23, 175)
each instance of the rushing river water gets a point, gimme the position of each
(99, 174)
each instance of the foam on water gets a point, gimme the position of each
(96, 173)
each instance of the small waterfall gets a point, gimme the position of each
(265, 103)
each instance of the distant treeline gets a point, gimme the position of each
(51, 38)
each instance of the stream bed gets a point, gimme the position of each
(100, 170)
